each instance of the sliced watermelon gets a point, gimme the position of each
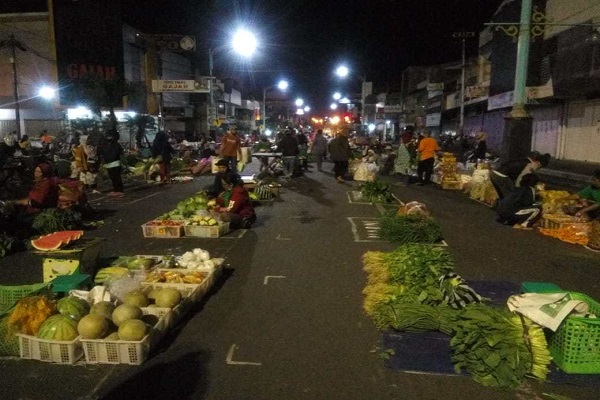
(56, 240)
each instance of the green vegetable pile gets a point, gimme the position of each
(54, 220)
(498, 348)
(377, 192)
(409, 229)
(188, 207)
(7, 244)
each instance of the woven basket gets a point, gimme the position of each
(594, 236)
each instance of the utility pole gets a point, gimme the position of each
(14, 44)
(463, 36)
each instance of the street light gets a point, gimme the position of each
(244, 43)
(282, 85)
(47, 93)
(337, 96)
(333, 106)
(306, 109)
(342, 71)
(299, 102)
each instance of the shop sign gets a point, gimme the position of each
(181, 85)
(175, 43)
(476, 91)
(433, 119)
(435, 87)
(502, 100)
(391, 109)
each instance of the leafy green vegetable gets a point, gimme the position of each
(409, 229)
(54, 220)
(7, 244)
(377, 192)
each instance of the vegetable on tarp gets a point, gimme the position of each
(54, 220)
(377, 192)
(409, 229)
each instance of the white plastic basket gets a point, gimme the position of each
(56, 351)
(99, 351)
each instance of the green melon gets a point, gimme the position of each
(112, 336)
(92, 326)
(168, 297)
(133, 329)
(136, 298)
(73, 307)
(103, 309)
(58, 327)
(126, 312)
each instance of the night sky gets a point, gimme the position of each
(303, 40)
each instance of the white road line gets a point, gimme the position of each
(230, 361)
(282, 238)
(272, 276)
(428, 373)
(143, 198)
(366, 220)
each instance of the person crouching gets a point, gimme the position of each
(519, 207)
(234, 203)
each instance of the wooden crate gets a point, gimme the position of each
(558, 222)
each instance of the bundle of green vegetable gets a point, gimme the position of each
(498, 348)
(412, 317)
(54, 220)
(188, 207)
(409, 229)
(408, 275)
(377, 192)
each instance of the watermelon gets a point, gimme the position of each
(58, 327)
(56, 240)
(103, 274)
(73, 307)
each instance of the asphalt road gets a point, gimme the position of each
(286, 320)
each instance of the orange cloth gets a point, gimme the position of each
(230, 145)
(427, 148)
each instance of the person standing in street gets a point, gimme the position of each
(340, 152)
(319, 148)
(427, 148)
(163, 152)
(288, 147)
(231, 148)
(111, 156)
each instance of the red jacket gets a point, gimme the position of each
(239, 202)
(43, 194)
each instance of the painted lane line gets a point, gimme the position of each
(230, 361)
(371, 225)
(272, 276)
(143, 198)
(282, 238)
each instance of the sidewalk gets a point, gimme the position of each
(568, 173)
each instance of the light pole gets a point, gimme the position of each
(463, 36)
(14, 44)
(282, 85)
(243, 43)
(343, 71)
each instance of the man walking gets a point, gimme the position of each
(428, 146)
(231, 148)
(288, 147)
(340, 152)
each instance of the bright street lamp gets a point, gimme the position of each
(333, 106)
(282, 85)
(244, 43)
(337, 96)
(46, 92)
(342, 71)
(299, 102)
(306, 109)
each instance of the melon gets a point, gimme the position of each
(58, 327)
(112, 336)
(56, 240)
(92, 326)
(168, 297)
(136, 298)
(125, 312)
(73, 307)
(133, 329)
(103, 309)
(152, 293)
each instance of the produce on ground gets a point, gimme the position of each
(567, 234)
(377, 191)
(7, 243)
(132, 329)
(166, 276)
(167, 297)
(110, 272)
(30, 313)
(197, 220)
(54, 219)
(409, 229)
(56, 240)
(92, 326)
(498, 348)
(135, 262)
(73, 307)
(126, 312)
(58, 327)
(188, 207)
(136, 298)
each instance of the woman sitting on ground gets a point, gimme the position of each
(234, 203)
(519, 208)
(43, 194)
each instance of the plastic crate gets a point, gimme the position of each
(81, 257)
(10, 295)
(566, 221)
(575, 346)
(100, 351)
(207, 231)
(163, 232)
(56, 351)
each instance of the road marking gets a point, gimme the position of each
(241, 233)
(230, 361)
(282, 238)
(143, 198)
(428, 373)
(368, 226)
(274, 277)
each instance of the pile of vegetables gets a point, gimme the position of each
(567, 234)
(414, 228)
(377, 192)
(7, 244)
(54, 220)
(188, 207)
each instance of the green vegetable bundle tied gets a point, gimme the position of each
(409, 229)
(377, 192)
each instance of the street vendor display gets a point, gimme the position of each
(449, 173)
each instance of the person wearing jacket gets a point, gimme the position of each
(340, 152)
(427, 148)
(288, 147)
(44, 192)
(508, 175)
(111, 156)
(319, 148)
(231, 148)
(519, 207)
(163, 152)
(234, 203)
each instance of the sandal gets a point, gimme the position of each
(522, 227)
